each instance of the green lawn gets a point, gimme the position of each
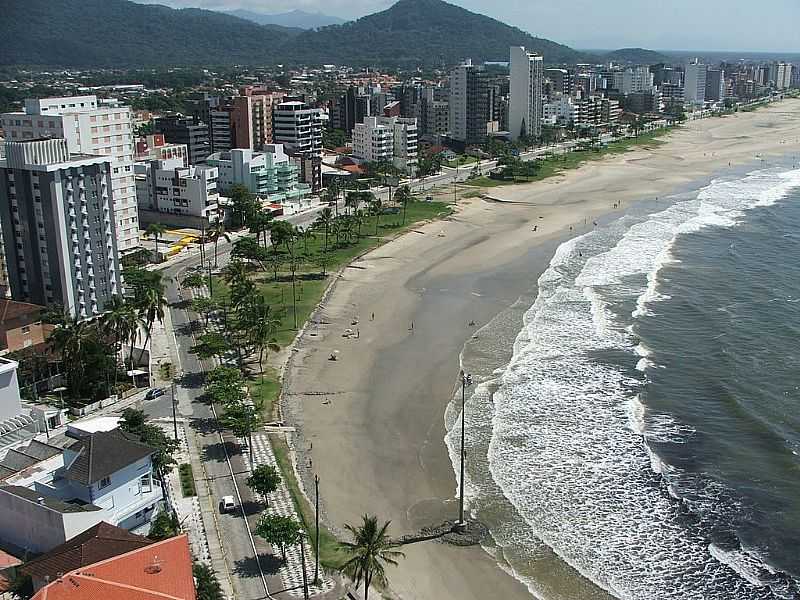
(554, 165)
(460, 161)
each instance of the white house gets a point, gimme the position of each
(104, 476)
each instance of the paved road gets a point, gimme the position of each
(220, 452)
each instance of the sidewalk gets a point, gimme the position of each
(201, 515)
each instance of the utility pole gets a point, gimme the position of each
(174, 416)
(303, 562)
(316, 539)
(461, 524)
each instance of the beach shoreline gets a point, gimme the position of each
(372, 423)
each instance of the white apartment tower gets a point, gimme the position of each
(58, 226)
(525, 110)
(169, 186)
(392, 139)
(695, 82)
(637, 80)
(91, 128)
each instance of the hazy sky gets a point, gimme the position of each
(766, 25)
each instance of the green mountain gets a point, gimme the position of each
(105, 33)
(119, 33)
(425, 32)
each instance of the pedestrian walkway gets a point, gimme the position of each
(280, 503)
(186, 507)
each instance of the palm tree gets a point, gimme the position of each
(305, 234)
(370, 550)
(403, 196)
(217, 230)
(377, 206)
(119, 321)
(151, 309)
(156, 230)
(324, 220)
(70, 341)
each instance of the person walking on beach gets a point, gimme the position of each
(372, 318)
(411, 329)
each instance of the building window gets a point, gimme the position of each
(105, 482)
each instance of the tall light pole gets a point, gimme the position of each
(461, 524)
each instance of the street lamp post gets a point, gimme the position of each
(461, 524)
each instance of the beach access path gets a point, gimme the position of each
(371, 423)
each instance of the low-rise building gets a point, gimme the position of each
(155, 147)
(270, 174)
(168, 186)
(21, 325)
(560, 111)
(158, 571)
(391, 139)
(104, 476)
(98, 543)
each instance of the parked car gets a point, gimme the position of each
(154, 393)
(227, 504)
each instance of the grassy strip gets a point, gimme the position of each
(187, 480)
(460, 161)
(330, 554)
(548, 167)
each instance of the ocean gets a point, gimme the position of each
(635, 431)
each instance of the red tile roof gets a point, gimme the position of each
(161, 571)
(93, 545)
(7, 560)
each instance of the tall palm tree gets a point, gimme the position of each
(216, 230)
(377, 206)
(151, 309)
(403, 196)
(156, 230)
(324, 221)
(370, 551)
(119, 321)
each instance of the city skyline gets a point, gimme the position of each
(713, 25)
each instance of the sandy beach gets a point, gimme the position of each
(372, 423)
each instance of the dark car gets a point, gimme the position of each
(154, 393)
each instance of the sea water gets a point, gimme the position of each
(645, 432)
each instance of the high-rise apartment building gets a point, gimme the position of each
(298, 127)
(391, 139)
(637, 80)
(57, 216)
(183, 130)
(467, 121)
(780, 75)
(695, 82)
(525, 109)
(90, 127)
(251, 117)
(715, 85)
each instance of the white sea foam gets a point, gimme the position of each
(566, 446)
